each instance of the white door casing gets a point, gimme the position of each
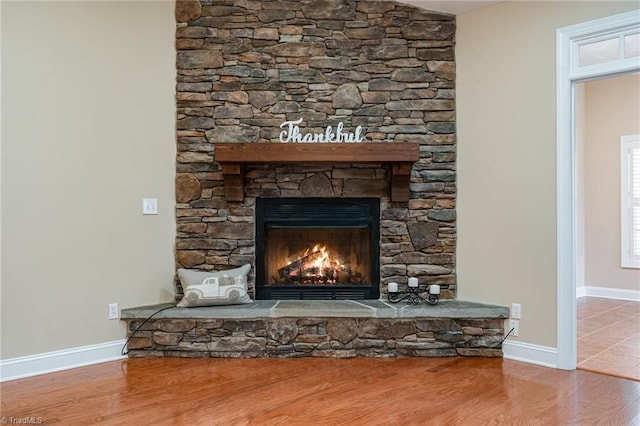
(572, 44)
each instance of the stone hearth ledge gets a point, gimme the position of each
(322, 309)
(317, 328)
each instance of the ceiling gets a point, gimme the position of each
(454, 7)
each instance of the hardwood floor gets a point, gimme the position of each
(308, 391)
(609, 336)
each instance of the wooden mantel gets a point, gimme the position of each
(399, 155)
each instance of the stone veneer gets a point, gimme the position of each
(337, 329)
(245, 66)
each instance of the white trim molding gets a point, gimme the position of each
(532, 354)
(566, 322)
(568, 40)
(49, 362)
(611, 293)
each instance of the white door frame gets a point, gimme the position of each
(568, 39)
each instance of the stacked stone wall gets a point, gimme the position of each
(246, 66)
(316, 337)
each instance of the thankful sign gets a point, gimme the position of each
(292, 134)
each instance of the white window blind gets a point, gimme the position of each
(630, 198)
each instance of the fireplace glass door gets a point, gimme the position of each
(317, 248)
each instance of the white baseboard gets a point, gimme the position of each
(533, 354)
(49, 362)
(609, 293)
(548, 357)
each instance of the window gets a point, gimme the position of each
(598, 52)
(602, 51)
(632, 45)
(630, 199)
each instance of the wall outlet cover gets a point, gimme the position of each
(113, 311)
(515, 325)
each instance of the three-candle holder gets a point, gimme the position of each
(413, 294)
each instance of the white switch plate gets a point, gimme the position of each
(516, 312)
(149, 206)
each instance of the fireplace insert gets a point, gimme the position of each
(317, 248)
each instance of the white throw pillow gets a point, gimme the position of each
(211, 288)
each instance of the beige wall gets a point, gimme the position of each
(506, 99)
(88, 120)
(88, 130)
(612, 110)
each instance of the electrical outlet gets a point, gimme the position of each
(516, 311)
(515, 325)
(113, 311)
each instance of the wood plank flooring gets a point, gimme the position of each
(609, 336)
(310, 391)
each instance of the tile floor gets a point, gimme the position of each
(609, 337)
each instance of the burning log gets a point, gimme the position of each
(356, 278)
(318, 268)
(344, 276)
(301, 266)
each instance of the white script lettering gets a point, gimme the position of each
(292, 134)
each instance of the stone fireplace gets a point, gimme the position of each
(246, 67)
(335, 221)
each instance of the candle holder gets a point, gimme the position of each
(412, 294)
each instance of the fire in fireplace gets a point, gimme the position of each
(319, 265)
(315, 248)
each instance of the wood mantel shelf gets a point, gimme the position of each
(399, 155)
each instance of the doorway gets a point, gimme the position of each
(596, 49)
(608, 304)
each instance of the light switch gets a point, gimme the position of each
(149, 206)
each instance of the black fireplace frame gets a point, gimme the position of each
(317, 212)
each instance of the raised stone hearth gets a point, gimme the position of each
(341, 329)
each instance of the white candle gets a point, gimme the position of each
(413, 282)
(434, 289)
(392, 287)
